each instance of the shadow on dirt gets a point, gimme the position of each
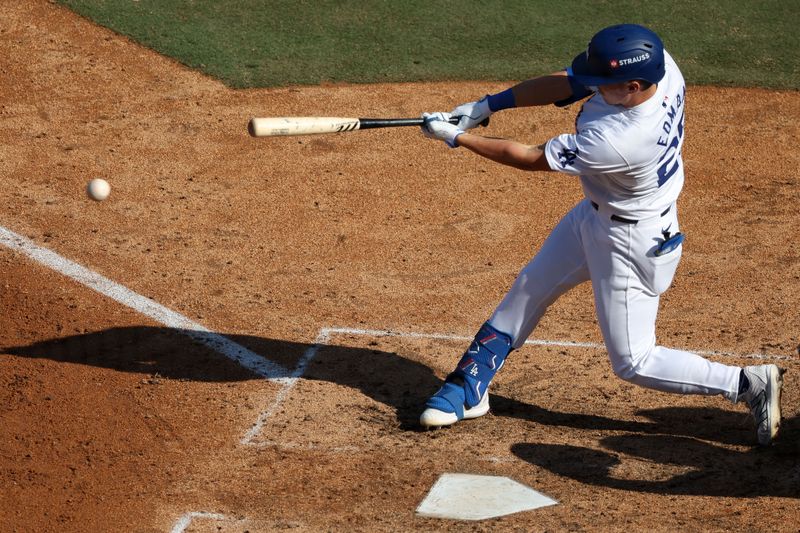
(637, 461)
(386, 377)
(728, 427)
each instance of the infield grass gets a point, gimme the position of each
(262, 43)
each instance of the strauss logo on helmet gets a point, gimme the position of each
(636, 59)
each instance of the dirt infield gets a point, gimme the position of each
(303, 250)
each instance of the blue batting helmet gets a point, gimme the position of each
(620, 53)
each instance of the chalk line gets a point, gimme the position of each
(288, 383)
(536, 342)
(254, 362)
(246, 358)
(325, 333)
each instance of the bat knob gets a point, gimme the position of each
(251, 128)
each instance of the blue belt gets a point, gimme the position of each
(618, 218)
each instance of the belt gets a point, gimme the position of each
(618, 218)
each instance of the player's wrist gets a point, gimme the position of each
(453, 141)
(501, 100)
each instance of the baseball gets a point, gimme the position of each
(98, 189)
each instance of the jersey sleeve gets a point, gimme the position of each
(584, 154)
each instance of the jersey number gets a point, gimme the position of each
(672, 163)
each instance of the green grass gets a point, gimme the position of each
(252, 43)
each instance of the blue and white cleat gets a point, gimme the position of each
(464, 394)
(447, 415)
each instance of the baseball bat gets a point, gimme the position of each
(272, 126)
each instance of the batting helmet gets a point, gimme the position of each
(620, 53)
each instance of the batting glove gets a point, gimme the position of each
(436, 126)
(473, 114)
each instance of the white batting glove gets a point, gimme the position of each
(436, 126)
(473, 113)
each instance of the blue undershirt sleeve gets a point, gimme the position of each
(502, 100)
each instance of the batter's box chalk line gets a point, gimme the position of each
(143, 305)
(324, 335)
(260, 365)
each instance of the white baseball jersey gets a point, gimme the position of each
(628, 159)
(629, 163)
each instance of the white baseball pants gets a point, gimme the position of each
(627, 279)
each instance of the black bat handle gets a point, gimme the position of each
(368, 123)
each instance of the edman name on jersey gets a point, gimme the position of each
(671, 114)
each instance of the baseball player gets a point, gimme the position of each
(623, 236)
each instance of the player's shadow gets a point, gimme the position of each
(157, 352)
(728, 427)
(387, 377)
(669, 463)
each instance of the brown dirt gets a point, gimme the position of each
(113, 422)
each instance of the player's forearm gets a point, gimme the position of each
(544, 90)
(511, 153)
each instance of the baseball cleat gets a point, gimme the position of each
(465, 393)
(434, 418)
(763, 396)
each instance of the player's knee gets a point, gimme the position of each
(625, 372)
(524, 278)
(627, 364)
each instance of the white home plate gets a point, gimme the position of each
(470, 497)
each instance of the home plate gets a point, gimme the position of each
(471, 497)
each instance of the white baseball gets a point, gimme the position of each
(98, 189)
